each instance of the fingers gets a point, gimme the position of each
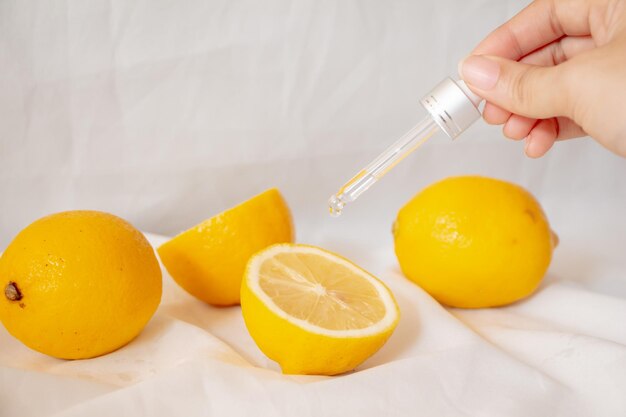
(559, 51)
(526, 96)
(541, 138)
(518, 127)
(495, 115)
(528, 90)
(543, 135)
(540, 23)
(568, 129)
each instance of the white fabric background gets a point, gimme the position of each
(167, 112)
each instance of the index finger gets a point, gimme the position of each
(541, 22)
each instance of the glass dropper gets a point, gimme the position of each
(451, 107)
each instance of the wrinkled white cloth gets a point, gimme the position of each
(166, 112)
(561, 352)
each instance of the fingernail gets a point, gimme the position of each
(480, 72)
(460, 65)
(526, 144)
(528, 147)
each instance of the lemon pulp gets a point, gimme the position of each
(317, 290)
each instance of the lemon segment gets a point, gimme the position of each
(315, 312)
(209, 260)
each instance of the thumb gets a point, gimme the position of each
(528, 90)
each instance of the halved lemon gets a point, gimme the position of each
(315, 312)
(209, 259)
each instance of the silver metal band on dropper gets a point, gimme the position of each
(453, 107)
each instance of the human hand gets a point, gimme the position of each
(557, 70)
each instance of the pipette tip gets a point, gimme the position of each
(336, 205)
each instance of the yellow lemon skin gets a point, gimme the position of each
(474, 242)
(78, 284)
(302, 352)
(209, 260)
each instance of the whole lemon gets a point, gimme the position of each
(78, 284)
(474, 242)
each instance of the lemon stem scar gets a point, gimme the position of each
(11, 292)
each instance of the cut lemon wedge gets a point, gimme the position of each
(315, 312)
(209, 260)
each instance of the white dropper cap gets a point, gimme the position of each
(453, 106)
